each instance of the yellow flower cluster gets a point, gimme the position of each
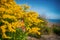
(11, 27)
(34, 30)
(32, 17)
(18, 24)
(9, 16)
(3, 28)
(2, 9)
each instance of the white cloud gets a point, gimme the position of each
(52, 16)
(48, 14)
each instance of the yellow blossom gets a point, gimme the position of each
(2, 9)
(34, 30)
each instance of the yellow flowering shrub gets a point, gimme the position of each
(13, 16)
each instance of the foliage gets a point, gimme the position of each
(18, 35)
(45, 29)
(56, 30)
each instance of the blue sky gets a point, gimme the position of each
(48, 8)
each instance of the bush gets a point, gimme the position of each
(14, 16)
(56, 30)
(46, 30)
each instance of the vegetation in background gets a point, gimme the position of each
(56, 29)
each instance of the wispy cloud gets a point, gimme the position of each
(48, 14)
(52, 16)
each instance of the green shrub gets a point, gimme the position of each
(56, 30)
(46, 30)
